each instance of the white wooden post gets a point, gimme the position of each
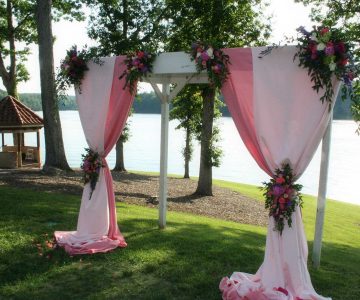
(164, 154)
(321, 201)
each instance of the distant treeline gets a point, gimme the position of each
(148, 103)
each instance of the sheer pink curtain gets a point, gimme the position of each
(280, 118)
(103, 107)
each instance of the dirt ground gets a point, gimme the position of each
(142, 190)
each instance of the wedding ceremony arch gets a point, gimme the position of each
(279, 118)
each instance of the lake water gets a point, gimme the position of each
(142, 152)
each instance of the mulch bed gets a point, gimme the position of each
(142, 190)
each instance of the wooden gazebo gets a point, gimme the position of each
(17, 119)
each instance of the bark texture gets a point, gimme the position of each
(205, 175)
(55, 153)
(120, 166)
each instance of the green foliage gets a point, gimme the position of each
(147, 103)
(212, 59)
(332, 60)
(186, 108)
(282, 196)
(18, 30)
(91, 165)
(215, 151)
(345, 15)
(138, 65)
(156, 264)
(121, 27)
(226, 23)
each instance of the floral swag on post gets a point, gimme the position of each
(138, 64)
(282, 196)
(72, 69)
(211, 59)
(325, 53)
(91, 164)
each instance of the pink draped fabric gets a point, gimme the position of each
(280, 119)
(103, 107)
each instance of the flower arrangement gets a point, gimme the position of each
(72, 68)
(325, 53)
(138, 64)
(91, 164)
(282, 196)
(211, 59)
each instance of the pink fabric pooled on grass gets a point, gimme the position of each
(280, 119)
(103, 107)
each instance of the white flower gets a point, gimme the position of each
(314, 37)
(198, 54)
(210, 52)
(332, 66)
(321, 46)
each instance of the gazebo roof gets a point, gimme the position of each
(15, 115)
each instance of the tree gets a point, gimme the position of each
(18, 31)
(223, 23)
(55, 153)
(344, 14)
(124, 26)
(124, 137)
(18, 25)
(187, 107)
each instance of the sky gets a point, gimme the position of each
(287, 16)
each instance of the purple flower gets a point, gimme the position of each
(278, 190)
(135, 62)
(205, 56)
(329, 49)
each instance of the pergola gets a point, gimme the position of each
(176, 70)
(279, 117)
(17, 119)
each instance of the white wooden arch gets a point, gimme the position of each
(177, 68)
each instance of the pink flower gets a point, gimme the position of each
(140, 54)
(280, 180)
(136, 62)
(282, 200)
(343, 62)
(324, 31)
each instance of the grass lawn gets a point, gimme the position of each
(185, 261)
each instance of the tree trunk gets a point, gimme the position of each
(55, 154)
(187, 152)
(120, 166)
(205, 175)
(9, 75)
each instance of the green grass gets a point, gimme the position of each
(185, 261)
